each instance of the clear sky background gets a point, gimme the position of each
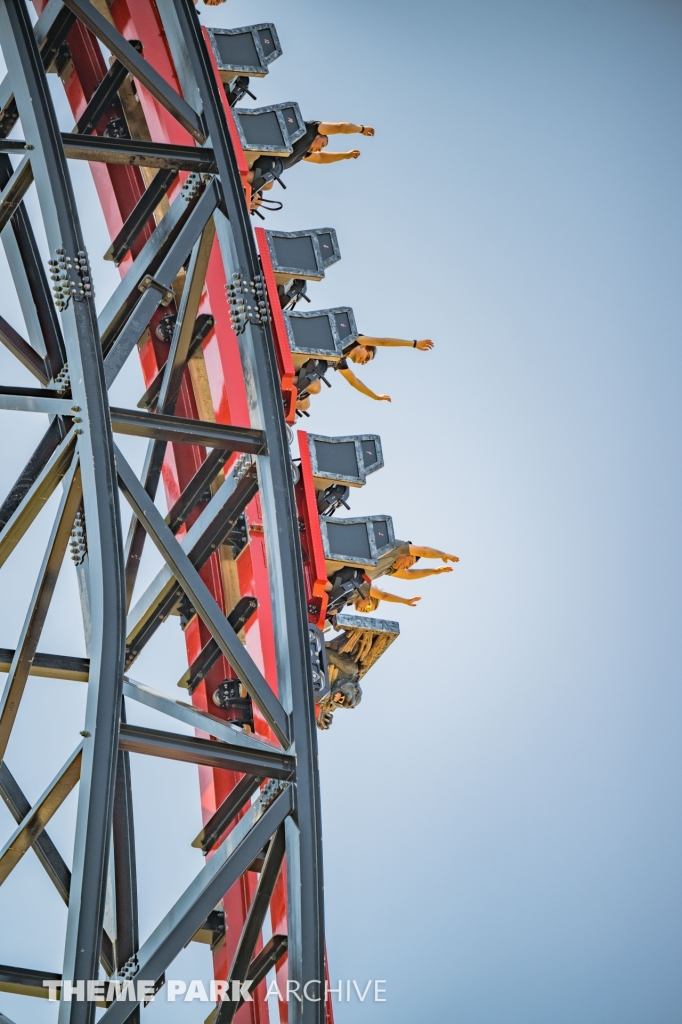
(502, 812)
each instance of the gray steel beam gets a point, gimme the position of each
(214, 753)
(228, 810)
(39, 606)
(128, 293)
(102, 99)
(8, 391)
(198, 485)
(24, 352)
(203, 663)
(33, 400)
(50, 31)
(30, 280)
(239, 970)
(271, 953)
(201, 666)
(184, 325)
(294, 674)
(46, 447)
(15, 190)
(30, 827)
(36, 497)
(170, 388)
(138, 67)
(51, 666)
(105, 555)
(163, 279)
(227, 864)
(43, 847)
(206, 605)
(202, 327)
(203, 537)
(139, 216)
(20, 981)
(223, 730)
(45, 850)
(138, 153)
(125, 864)
(182, 430)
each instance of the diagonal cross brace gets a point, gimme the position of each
(102, 98)
(49, 30)
(154, 251)
(233, 803)
(36, 497)
(203, 537)
(173, 373)
(200, 482)
(227, 864)
(45, 851)
(24, 352)
(139, 68)
(204, 602)
(43, 847)
(239, 970)
(144, 208)
(15, 190)
(37, 818)
(43, 327)
(39, 607)
(139, 319)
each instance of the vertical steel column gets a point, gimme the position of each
(105, 562)
(125, 866)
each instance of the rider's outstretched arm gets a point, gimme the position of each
(432, 553)
(331, 158)
(383, 595)
(344, 128)
(419, 574)
(423, 346)
(362, 388)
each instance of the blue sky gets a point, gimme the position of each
(501, 813)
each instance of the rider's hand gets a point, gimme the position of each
(353, 155)
(367, 130)
(425, 346)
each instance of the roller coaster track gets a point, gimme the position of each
(214, 384)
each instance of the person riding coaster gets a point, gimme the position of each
(361, 351)
(354, 586)
(267, 170)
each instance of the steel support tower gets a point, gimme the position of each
(156, 126)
